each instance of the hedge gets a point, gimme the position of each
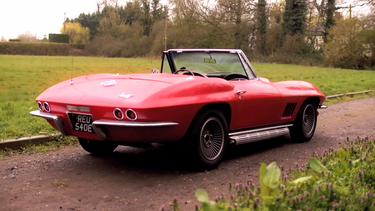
(35, 48)
(59, 38)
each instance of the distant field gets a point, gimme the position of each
(23, 78)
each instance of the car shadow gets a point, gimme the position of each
(178, 157)
(243, 150)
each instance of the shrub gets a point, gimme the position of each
(344, 48)
(109, 46)
(77, 46)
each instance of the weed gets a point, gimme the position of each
(59, 183)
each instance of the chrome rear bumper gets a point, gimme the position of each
(56, 119)
(99, 124)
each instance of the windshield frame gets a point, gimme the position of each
(247, 68)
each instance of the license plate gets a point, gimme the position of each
(81, 122)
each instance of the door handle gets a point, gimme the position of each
(239, 93)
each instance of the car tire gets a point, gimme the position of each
(305, 124)
(210, 139)
(97, 147)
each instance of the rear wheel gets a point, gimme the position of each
(305, 123)
(210, 139)
(97, 147)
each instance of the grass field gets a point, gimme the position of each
(23, 78)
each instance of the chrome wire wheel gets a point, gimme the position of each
(212, 138)
(308, 119)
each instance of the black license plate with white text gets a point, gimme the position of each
(81, 122)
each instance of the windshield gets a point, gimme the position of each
(209, 63)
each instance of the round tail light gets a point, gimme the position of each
(118, 114)
(47, 107)
(131, 115)
(40, 105)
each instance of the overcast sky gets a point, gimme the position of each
(39, 17)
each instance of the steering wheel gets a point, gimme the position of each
(189, 72)
(184, 69)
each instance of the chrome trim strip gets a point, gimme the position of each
(259, 136)
(99, 130)
(323, 107)
(132, 124)
(77, 108)
(180, 50)
(56, 119)
(258, 130)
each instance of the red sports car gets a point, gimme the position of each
(209, 98)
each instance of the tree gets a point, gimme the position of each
(236, 11)
(111, 23)
(330, 21)
(91, 21)
(27, 37)
(294, 17)
(146, 19)
(188, 26)
(131, 12)
(275, 31)
(262, 25)
(77, 33)
(157, 11)
(151, 13)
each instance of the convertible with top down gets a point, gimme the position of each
(207, 98)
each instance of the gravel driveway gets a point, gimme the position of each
(146, 179)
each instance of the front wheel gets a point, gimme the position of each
(97, 147)
(305, 123)
(210, 139)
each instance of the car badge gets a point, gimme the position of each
(126, 96)
(108, 83)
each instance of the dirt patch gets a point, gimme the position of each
(146, 179)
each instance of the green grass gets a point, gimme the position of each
(330, 81)
(56, 142)
(23, 78)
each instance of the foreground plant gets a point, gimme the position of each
(339, 179)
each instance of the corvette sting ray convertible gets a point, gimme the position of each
(206, 98)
